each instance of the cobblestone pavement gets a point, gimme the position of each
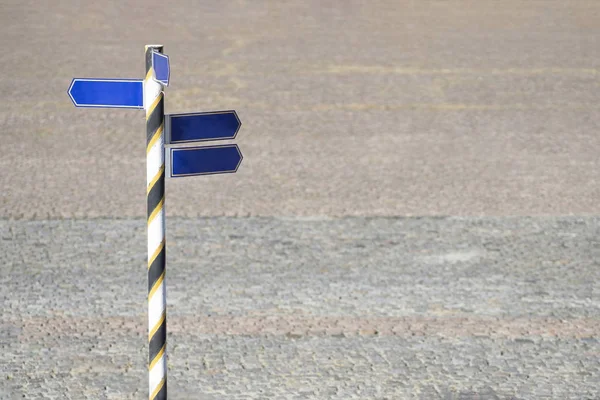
(268, 308)
(354, 112)
(353, 107)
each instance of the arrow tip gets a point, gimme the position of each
(240, 155)
(70, 90)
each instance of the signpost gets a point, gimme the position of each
(198, 127)
(120, 93)
(162, 70)
(163, 135)
(207, 160)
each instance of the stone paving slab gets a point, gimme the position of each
(384, 107)
(351, 308)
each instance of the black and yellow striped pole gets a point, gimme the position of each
(155, 179)
(187, 161)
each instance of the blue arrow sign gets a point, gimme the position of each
(120, 93)
(196, 127)
(160, 63)
(189, 161)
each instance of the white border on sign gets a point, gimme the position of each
(169, 67)
(104, 80)
(170, 116)
(170, 159)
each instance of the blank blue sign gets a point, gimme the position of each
(120, 93)
(160, 63)
(189, 161)
(218, 125)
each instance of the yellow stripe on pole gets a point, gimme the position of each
(155, 392)
(149, 74)
(158, 282)
(156, 253)
(158, 356)
(159, 207)
(154, 139)
(153, 181)
(153, 106)
(153, 331)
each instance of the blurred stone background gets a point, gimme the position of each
(416, 215)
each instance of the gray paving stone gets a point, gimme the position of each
(351, 308)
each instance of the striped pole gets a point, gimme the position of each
(155, 179)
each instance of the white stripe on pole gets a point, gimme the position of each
(156, 374)
(156, 153)
(156, 232)
(156, 305)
